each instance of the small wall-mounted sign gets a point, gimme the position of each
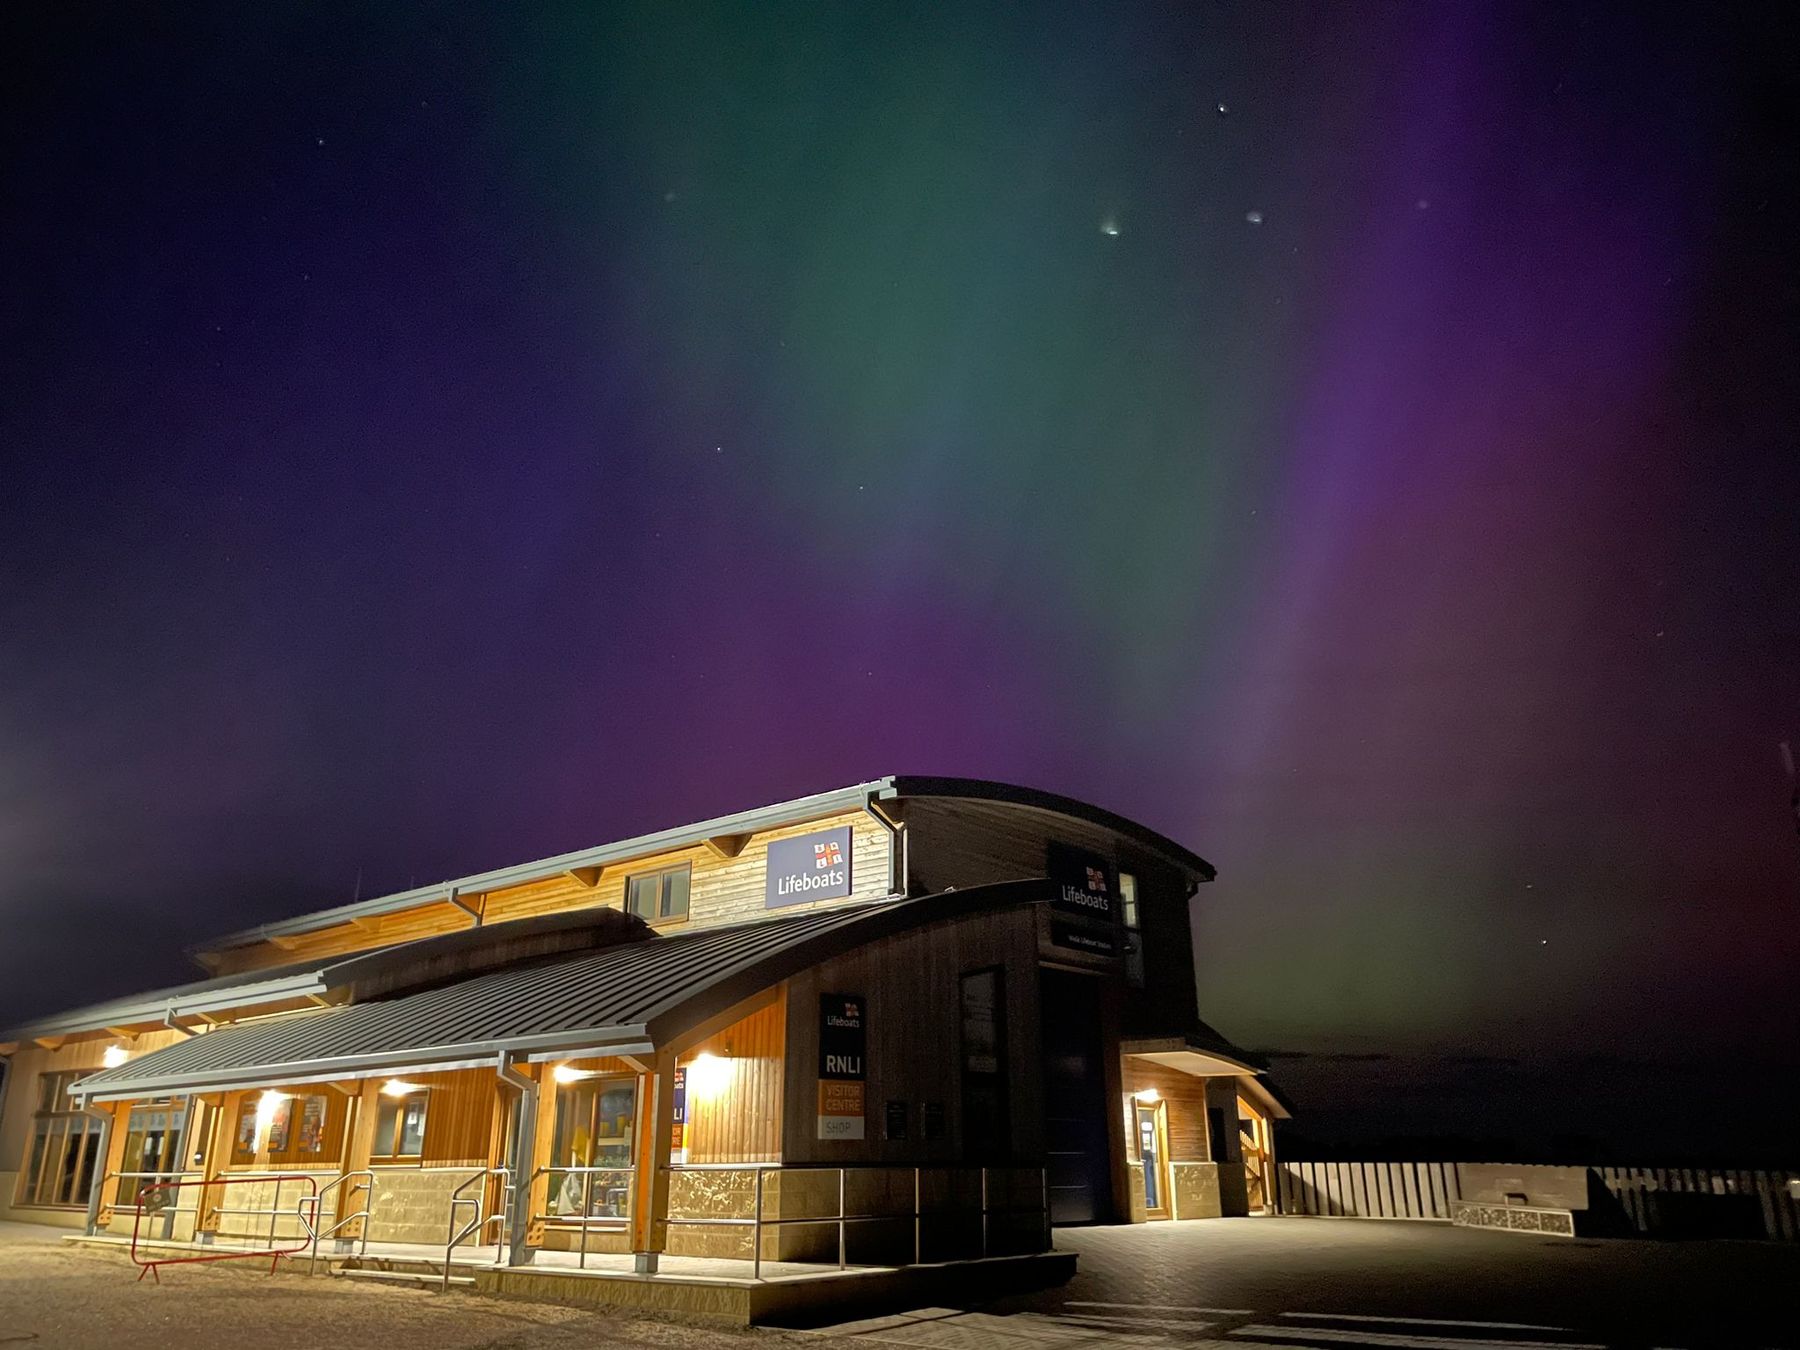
(808, 867)
(1098, 941)
(896, 1120)
(843, 1046)
(934, 1120)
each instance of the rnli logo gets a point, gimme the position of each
(827, 855)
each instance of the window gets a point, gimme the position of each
(400, 1126)
(1134, 935)
(299, 1128)
(987, 1131)
(659, 895)
(64, 1149)
(595, 1120)
(153, 1145)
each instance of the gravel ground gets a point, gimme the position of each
(60, 1297)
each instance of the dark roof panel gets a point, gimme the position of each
(632, 996)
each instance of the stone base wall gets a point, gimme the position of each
(412, 1204)
(1198, 1194)
(239, 1229)
(881, 1201)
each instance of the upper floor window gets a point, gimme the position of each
(659, 895)
(1129, 915)
(65, 1146)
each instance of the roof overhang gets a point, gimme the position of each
(1199, 1058)
(798, 811)
(628, 998)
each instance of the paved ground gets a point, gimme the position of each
(1329, 1283)
(1302, 1284)
(57, 1297)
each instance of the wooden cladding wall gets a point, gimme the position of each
(912, 985)
(963, 843)
(459, 1116)
(738, 1117)
(723, 890)
(1186, 1098)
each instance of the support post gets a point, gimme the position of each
(650, 1207)
(104, 1163)
(359, 1147)
(525, 1159)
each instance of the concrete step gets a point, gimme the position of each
(416, 1279)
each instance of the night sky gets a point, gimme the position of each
(1358, 441)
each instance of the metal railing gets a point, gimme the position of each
(167, 1213)
(311, 1224)
(843, 1218)
(459, 1199)
(621, 1206)
(274, 1212)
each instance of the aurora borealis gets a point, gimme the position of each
(441, 438)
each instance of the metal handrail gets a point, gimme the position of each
(318, 1201)
(587, 1199)
(842, 1218)
(478, 1201)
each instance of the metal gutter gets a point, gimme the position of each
(762, 818)
(159, 1008)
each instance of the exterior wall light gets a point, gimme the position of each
(1149, 1096)
(708, 1075)
(568, 1073)
(113, 1056)
(399, 1087)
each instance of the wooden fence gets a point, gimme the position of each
(1368, 1190)
(1390, 1190)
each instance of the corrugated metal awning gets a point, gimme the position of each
(623, 999)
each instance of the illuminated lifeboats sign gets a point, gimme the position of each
(1084, 882)
(808, 867)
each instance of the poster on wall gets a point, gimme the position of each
(678, 1138)
(808, 867)
(843, 1046)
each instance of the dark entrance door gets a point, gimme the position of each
(1074, 1098)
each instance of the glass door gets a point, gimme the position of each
(1153, 1152)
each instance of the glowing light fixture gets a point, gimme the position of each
(568, 1073)
(113, 1056)
(708, 1075)
(1149, 1096)
(399, 1087)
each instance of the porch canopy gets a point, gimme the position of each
(630, 998)
(1203, 1053)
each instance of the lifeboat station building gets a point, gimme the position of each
(902, 1026)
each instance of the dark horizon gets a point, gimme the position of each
(1357, 443)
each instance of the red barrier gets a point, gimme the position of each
(274, 1253)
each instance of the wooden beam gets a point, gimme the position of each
(727, 845)
(287, 944)
(49, 1042)
(587, 876)
(123, 1033)
(9, 1047)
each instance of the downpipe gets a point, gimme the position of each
(518, 1217)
